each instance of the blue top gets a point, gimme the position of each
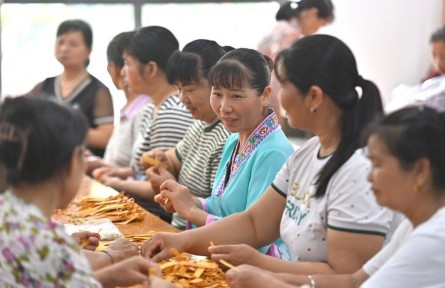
(251, 171)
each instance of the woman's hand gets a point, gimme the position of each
(236, 254)
(158, 175)
(87, 240)
(179, 198)
(122, 249)
(159, 247)
(132, 271)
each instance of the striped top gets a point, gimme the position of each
(160, 131)
(200, 152)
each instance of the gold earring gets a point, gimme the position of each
(416, 188)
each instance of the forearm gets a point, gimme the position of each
(98, 260)
(98, 137)
(280, 266)
(141, 189)
(241, 231)
(322, 281)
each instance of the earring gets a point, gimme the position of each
(313, 110)
(416, 188)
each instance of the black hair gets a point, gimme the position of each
(241, 67)
(117, 46)
(37, 138)
(438, 35)
(413, 133)
(327, 62)
(325, 7)
(286, 11)
(194, 62)
(153, 43)
(77, 25)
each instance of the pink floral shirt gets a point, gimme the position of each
(35, 252)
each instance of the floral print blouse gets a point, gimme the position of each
(36, 252)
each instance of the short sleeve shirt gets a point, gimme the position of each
(36, 252)
(348, 205)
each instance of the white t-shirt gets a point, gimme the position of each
(420, 262)
(348, 205)
(400, 236)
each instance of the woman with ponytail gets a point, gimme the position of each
(320, 202)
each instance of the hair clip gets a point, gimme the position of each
(10, 133)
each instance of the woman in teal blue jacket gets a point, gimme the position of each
(252, 156)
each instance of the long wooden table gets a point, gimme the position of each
(91, 187)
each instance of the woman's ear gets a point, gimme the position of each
(150, 69)
(266, 95)
(315, 97)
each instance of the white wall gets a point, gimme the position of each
(390, 38)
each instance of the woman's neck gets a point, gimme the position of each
(73, 74)
(162, 93)
(243, 136)
(44, 195)
(424, 209)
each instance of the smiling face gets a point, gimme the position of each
(71, 50)
(241, 110)
(391, 184)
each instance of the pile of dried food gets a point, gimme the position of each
(118, 209)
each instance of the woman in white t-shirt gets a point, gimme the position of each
(319, 203)
(408, 175)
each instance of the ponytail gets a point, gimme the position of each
(367, 108)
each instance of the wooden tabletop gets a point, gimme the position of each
(91, 187)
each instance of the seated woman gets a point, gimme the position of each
(320, 202)
(194, 160)
(41, 147)
(76, 87)
(118, 151)
(252, 155)
(408, 163)
(164, 121)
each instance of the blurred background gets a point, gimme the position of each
(390, 39)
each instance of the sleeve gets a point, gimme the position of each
(281, 181)
(352, 206)
(376, 262)
(418, 263)
(103, 112)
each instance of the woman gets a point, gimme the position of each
(77, 87)
(118, 151)
(319, 203)
(164, 121)
(407, 175)
(194, 160)
(252, 155)
(43, 157)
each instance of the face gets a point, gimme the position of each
(115, 74)
(196, 97)
(391, 184)
(294, 103)
(438, 56)
(131, 73)
(71, 50)
(241, 110)
(305, 20)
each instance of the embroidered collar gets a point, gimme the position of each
(263, 131)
